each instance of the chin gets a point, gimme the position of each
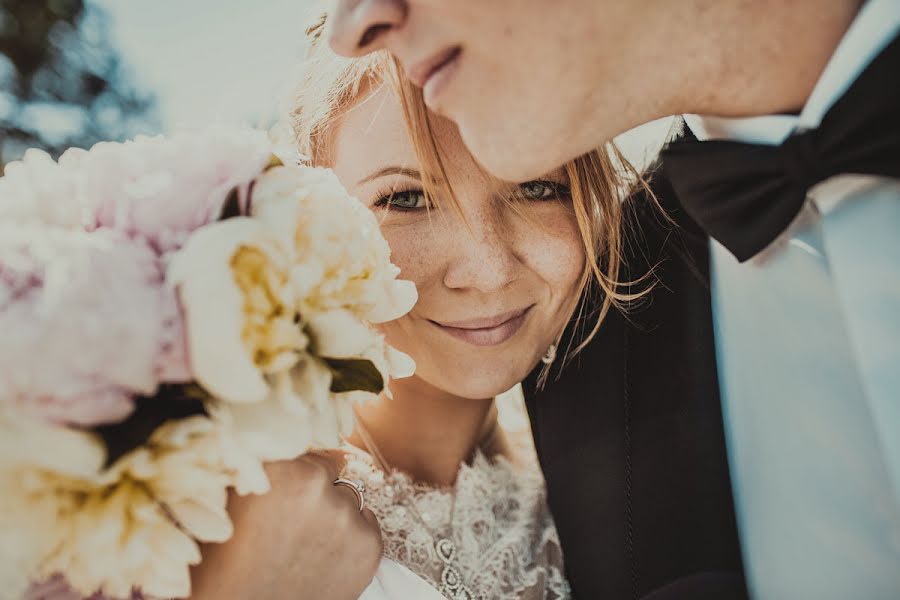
(477, 386)
(480, 392)
(491, 144)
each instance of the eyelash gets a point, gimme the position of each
(385, 196)
(557, 190)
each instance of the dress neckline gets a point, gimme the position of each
(479, 460)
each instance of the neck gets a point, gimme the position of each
(729, 58)
(424, 431)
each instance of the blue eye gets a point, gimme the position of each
(544, 190)
(403, 199)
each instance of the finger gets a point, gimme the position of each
(347, 492)
(369, 540)
(370, 519)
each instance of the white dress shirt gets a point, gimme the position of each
(808, 349)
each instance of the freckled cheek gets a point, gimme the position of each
(420, 255)
(401, 334)
(553, 251)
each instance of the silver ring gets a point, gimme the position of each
(358, 487)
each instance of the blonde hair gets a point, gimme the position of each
(599, 180)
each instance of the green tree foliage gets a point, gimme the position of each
(62, 83)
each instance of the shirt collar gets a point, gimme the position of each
(877, 23)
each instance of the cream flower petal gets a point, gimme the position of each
(35, 444)
(204, 522)
(172, 580)
(397, 298)
(305, 277)
(400, 365)
(250, 477)
(66, 522)
(215, 308)
(339, 334)
(312, 384)
(268, 431)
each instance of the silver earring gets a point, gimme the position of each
(550, 355)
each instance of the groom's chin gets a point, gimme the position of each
(512, 153)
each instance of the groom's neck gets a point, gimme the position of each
(758, 57)
(730, 58)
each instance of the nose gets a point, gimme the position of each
(485, 259)
(358, 27)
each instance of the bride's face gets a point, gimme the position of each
(496, 285)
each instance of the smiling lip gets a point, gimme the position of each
(490, 331)
(421, 73)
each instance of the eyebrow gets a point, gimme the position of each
(393, 170)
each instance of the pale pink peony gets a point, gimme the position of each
(39, 191)
(87, 318)
(88, 322)
(162, 189)
(159, 189)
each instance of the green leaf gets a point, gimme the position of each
(352, 374)
(171, 402)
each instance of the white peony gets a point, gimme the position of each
(135, 524)
(270, 298)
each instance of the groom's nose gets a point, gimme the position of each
(358, 27)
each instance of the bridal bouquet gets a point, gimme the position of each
(174, 312)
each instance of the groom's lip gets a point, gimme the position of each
(420, 74)
(489, 331)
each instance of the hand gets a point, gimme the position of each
(304, 539)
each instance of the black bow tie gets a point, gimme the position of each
(745, 195)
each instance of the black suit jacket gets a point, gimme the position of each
(630, 435)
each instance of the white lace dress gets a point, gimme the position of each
(496, 515)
